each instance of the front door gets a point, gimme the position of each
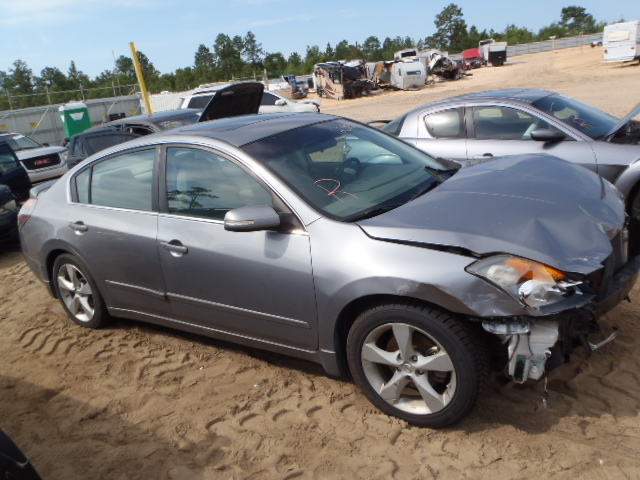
(499, 131)
(254, 284)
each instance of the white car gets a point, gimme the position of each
(271, 102)
(41, 162)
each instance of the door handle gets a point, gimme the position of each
(175, 247)
(78, 227)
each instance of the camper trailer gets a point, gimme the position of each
(621, 42)
(408, 74)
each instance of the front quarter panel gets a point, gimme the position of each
(357, 266)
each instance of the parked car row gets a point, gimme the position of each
(322, 238)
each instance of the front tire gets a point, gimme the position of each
(416, 363)
(78, 292)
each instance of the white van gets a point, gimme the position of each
(621, 41)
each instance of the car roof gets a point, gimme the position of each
(242, 130)
(523, 95)
(157, 117)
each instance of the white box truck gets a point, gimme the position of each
(621, 41)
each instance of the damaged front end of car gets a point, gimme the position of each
(557, 255)
(564, 308)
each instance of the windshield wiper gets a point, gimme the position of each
(373, 212)
(440, 175)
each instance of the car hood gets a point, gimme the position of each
(37, 152)
(635, 111)
(237, 99)
(535, 206)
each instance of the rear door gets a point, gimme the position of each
(112, 225)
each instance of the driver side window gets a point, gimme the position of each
(203, 184)
(504, 123)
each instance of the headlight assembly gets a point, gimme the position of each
(531, 283)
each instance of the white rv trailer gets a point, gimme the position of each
(621, 41)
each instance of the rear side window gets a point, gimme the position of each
(102, 142)
(268, 99)
(447, 124)
(199, 101)
(125, 181)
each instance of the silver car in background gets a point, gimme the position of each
(518, 121)
(318, 237)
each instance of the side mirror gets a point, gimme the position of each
(251, 219)
(547, 135)
(280, 102)
(45, 144)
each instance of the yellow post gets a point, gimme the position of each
(143, 87)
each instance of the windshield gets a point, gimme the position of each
(345, 170)
(580, 116)
(20, 142)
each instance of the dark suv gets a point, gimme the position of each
(14, 188)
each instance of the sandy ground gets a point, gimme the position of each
(140, 402)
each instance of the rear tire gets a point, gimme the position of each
(78, 293)
(417, 364)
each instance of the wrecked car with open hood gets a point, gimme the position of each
(318, 237)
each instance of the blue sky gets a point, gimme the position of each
(52, 33)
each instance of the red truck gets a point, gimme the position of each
(471, 58)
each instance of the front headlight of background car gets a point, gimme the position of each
(10, 207)
(530, 283)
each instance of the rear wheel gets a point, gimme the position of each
(78, 293)
(416, 364)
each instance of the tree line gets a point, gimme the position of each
(241, 57)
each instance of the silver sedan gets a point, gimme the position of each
(475, 126)
(321, 238)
